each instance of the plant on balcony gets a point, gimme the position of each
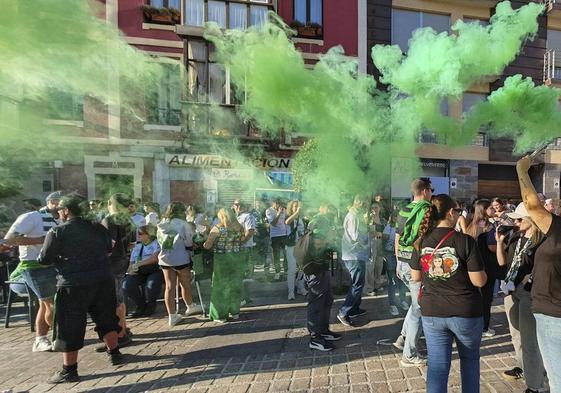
(307, 30)
(166, 16)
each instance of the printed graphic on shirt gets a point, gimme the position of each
(440, 266)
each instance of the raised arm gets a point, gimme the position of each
(535, 208)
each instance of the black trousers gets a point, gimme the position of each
(320, 300)
(487, 295)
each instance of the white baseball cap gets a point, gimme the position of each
(519, 212)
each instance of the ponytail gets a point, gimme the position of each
(427, 225)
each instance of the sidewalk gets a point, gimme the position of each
(265, 351)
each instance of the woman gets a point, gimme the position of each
(375, 266)
(518, 257)
(176, 241)
(393, 281)
(450, 302)
(546, 283)
(144, 279)
(152, 211)
(225, 239)
(483, 231)
(295, 229)
(499, 206)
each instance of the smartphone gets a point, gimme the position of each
(502, 229)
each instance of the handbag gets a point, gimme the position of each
(426, 261)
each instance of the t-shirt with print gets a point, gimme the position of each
(147, 251)
(546, 287)
(447, 289)
(29, 225)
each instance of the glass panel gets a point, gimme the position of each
(482, 22)
(217, 13)
(258, 15)
(316, 12)
(553, 39)
(300, 13)
(194, 12)
(63, 105)
(157, 3)
(217, 83)
(259, 1)
(238, 16)
(174, 4)
(403, 24)
(196, 50)
(470, 99)
(197, 81)
(439, 23)
(444, 107)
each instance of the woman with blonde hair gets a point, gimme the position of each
(225, 238)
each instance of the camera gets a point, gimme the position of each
(502, 229)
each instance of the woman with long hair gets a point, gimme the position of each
(449, 265)
(295, 229)
(518, 256)
(225, 238)
(176, 241)
(480, 222)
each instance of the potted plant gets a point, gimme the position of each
(157, 15)
(175, 15)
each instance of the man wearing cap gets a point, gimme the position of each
(49, 212)
(28, 233)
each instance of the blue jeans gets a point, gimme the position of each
(357, 269)
(549, 340)
(439, 333)
(42, 281)
(412, 324)
(393, 281)
(152, 284)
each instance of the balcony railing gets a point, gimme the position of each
(552, 66)
(429, 137)
(218, 120)
(165, 116)
(550, 4)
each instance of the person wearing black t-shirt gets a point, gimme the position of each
(546, 281)
(517, 255)
(450, 266)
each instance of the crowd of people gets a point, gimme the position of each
(452, 258)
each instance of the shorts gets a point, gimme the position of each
(72, 304)
(119, 291)
(42, 281)
(176, 268)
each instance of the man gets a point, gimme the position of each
(49, 213)
(276, 216)
(247, 221)
(28, 233)
(137, 218)
(408, 223)
(549, 206)
(355, 251)
(79, 250)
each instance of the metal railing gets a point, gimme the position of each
(551, 65)
(549, 4)
(430, 137)
(165, 116)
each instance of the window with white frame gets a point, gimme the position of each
(228, 14)
(164, 102)
(308, 12)
(405, 22)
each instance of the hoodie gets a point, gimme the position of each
(176, 240)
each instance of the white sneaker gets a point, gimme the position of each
(243, 303)
(277, 276)
(42, 344)
(193, 309)
(174, 319)
(488, 333)
(415, 361)
(404, 305)
(393, 310)
(235, 317)
(291, 296)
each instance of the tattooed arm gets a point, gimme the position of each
(535, 208)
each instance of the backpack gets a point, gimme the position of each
(301, 249)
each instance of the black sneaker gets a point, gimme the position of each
(360, 312)
(331, 336)
(321, 345)
(62, 376)
(149, 310)
(514, 374)
(116, 357)
(124, 341)
(345, 320)
(138, 313)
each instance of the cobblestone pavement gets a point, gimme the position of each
(265, 351)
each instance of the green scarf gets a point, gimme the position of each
(411, 229)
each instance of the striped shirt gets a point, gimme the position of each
(48, 220)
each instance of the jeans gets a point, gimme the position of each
(440, 332)
(393, 281)
(42, 281)
(291, 273)
(412, 323)
(522, 326)
(152, 284)
(320, 300)
(549, 340)
(278, 244)
(357, 269)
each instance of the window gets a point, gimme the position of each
(482, 22)
(404, 23)
(164, 104)
(554, 43)
(226, 14)
(308, 12)
(468, 101)
(165, 3)
(65, 106)
(47, 186)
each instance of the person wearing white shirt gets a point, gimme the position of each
(152, 211)
(276, 216)
(248, 222)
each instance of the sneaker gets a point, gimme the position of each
(404, 305)
(174, 319)
(235, 317)
(393, 311)
(400, 342)
(291, 296)
(531, 391)
(321, 345)
(277, 277)
(138, 313)
(243, 303)
(62, 376)
(42, 344)
(488, 333)
(129, 332)
(345, 320)
(360, 312)
(101, 348)
(331, 336)
(116, 357)
(415, 361)
(302, 292)
(193, 309)
(124, 341)
(514, 374)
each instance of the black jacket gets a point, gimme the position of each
(79, 250)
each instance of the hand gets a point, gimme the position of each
(500, 237)
(524, 164)
(525, 279)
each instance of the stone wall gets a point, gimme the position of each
(466, 175)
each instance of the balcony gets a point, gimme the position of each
(427, 137)
(219, 121)
(552, 66)
(551, 5)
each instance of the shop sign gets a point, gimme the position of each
(232, 174)
(427, 163)
(216, 161)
